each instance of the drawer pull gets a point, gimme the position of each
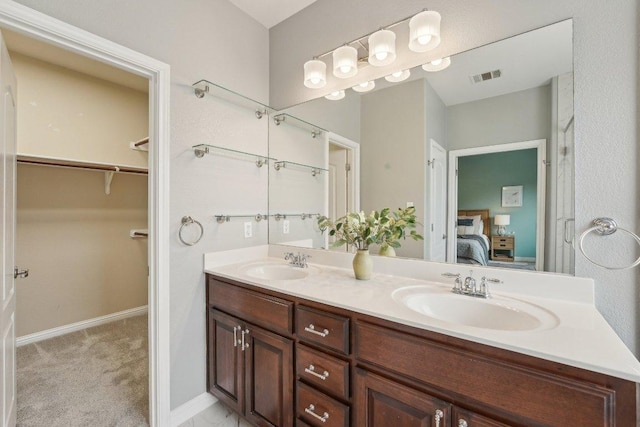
(438, 416)
(462, 423)
(235, 336)
(312, 329)
(310, 410)
(312, 370)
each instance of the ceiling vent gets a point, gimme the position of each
(478, 78)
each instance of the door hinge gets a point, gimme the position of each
(432, 163)
(347, 167)
(456, 172)
(432, 227)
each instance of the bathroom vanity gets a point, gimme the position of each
(281, 353)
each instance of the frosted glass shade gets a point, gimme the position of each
(382, 48)
(424, 31)
(398, 76)
(437, 65)
(335, 96)
(502, 219)
(345, 62)
(315, 74)
(364, 87)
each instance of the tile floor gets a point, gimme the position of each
(217, 415)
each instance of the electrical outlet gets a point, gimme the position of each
(247, 230)
(285, 226)
(409, 204)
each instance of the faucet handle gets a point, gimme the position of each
(450, 274)
(484, 288)
(288, 256)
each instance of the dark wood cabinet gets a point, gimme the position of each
(251, 370)
(352, 369)
(382, 402)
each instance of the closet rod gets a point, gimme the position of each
(141, 142)
(79, 165)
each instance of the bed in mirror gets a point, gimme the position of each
(498, 116)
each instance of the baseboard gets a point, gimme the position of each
(73, 327)
(188, 410)
(524, 259)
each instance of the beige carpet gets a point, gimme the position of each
(95, 377)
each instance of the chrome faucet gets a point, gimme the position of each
(469, 286)
(299, 260)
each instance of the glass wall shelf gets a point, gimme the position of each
(205, 87)
(201, 149)
(302, 124)
(287, 164)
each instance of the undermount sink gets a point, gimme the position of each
(277, 271)
(498, 313)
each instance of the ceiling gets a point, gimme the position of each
(54, 55)
(271, 12)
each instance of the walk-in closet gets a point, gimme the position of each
(82, 235)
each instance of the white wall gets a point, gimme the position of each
(605, 45)
(214, 40)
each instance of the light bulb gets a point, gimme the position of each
(345, 69)
(381, 56)
(436, 62)
(364, 84)
(315, 80)
(424, 39)
(397, 74)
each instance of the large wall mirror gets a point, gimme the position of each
(484, 150)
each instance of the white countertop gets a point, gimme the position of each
(579, 337)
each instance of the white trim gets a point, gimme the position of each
(341, 141)
(541, 146)
(190, 409)
(78, 326)
(34, 24)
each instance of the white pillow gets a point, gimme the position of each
(476, 228)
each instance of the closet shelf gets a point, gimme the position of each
(314, 130)
(66, 163)
(293, 165)
(201, 149)
(205, 87)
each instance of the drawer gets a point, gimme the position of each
(272, 313)
(323, 328)
(317, 409)
(300, 423)
(323, 371)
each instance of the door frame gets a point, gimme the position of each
(21, 19)
(354, 176)
(541, 169)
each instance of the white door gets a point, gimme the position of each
(438, 203)
(338, 183)
(7, 171)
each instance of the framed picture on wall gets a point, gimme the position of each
(512, 196)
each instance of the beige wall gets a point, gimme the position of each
(75, 241)
(71, 235)
(70, 115)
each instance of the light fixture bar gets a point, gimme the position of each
(366, 36)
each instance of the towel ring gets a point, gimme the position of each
(187, 220)
(606, 227)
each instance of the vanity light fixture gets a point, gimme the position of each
(437, 64)
(382, 48)
(345, 62)
(315, 74)
(424, 31)
(336, 95)
(364, 86)
(398, 76)
(379, 49)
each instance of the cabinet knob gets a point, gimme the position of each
(462, 423)
(438, 416)
(311, 411)
(311, 328)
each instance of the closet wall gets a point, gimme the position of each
(72, 236)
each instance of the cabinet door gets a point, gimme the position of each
(382, 402)
(465, 418)
(269, 377)
(225, 360)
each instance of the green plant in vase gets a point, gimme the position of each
(394, 226)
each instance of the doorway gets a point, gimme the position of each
(21, 19)
(539, 146)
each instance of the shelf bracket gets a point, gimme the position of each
(108, 177)
(201, 92)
